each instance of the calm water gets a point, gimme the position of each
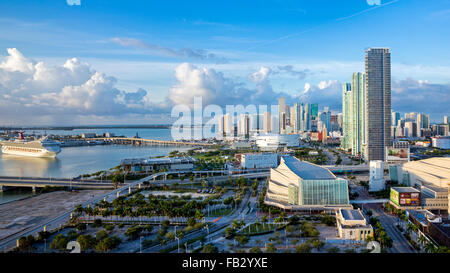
(74, 161)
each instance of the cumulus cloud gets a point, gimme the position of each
(198, 54)
(325, 93)
(71, 88)
(73, 2)
(215, 88)
(421, 96)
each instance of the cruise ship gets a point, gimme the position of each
(36, 148)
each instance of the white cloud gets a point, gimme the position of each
(198, 54)
(71, 88)
(73, 2)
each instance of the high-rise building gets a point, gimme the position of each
(298, 117)
(357, 112)
(244, 125)
(410, 116)
(423, 122)
(445, 119)
(378, 103)
(307, 117)
(292, 117)
(395, 118)
(228, 125)
(314, 110)
(325, 117)
(354, 113)
(346, 116)
(267, 128)
(410, 129)
(282, 115)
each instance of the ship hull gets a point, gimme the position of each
(42, 153)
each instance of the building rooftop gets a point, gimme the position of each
(405, 189)
(352, 214)
(306, 170)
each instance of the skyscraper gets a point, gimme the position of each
(307, 117)
(354, 113)
(422, 123)
(378, 103)
(358, 112)
(267, 122)
(314, 110)
(346, 116)
(282, 115)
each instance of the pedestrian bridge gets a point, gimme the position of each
(369, 201)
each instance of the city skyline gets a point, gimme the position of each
(135, 73)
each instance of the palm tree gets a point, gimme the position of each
(430, 248)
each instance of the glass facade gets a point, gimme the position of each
(324, 192)
(293, 194)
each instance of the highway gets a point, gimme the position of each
(11, 181)
(10, 241)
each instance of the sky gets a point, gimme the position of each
(80, 62)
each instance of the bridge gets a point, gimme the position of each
(369, 201)
(40, 182)
(144, 141)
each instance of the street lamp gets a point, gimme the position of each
(207, 229)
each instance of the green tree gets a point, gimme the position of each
(209, 248)
(303, 248)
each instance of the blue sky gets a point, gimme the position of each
(308, 47)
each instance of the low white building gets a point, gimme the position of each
(352, 225)
(442, 142)
(377, 181)
(271, 142)
(259, 160)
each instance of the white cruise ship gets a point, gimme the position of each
(36, 148)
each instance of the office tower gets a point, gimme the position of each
(267, 123)
(282, 115)
(346, 116)
(378, 103)
(445, 119)
(314, 110)
(395, 118)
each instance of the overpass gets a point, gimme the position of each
(369, 201)
(40, 182)
(55, 222)
(144, 141)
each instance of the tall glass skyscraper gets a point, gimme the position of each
(346, 116)
(358, 112)
(378, 103)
